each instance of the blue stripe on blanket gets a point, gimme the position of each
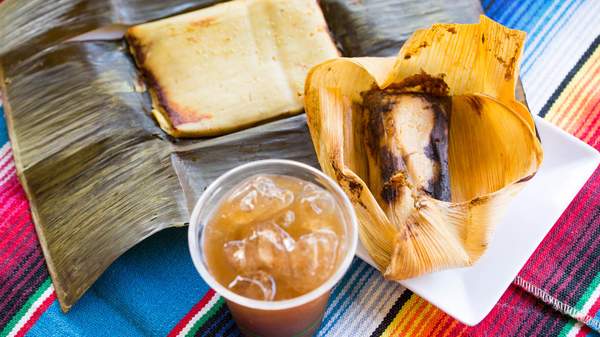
(145, 292)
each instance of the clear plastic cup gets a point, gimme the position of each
(300, 316)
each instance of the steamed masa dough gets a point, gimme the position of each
(229, 66)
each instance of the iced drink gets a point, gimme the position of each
(274, 238)
(273, 244)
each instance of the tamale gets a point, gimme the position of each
(447, 143)
(407, 134)
(232, 65)
(75, 109)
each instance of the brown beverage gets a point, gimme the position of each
(274, 237)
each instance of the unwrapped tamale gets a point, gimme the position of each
(232, 65)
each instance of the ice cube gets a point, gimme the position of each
(259, 198)
(235, 252)
(269, 245)
(286, 219)
(265, 248)
(258, 285)
(318, 209)
(314, 259)
(248, 201)
(267, 188)
(316, 200)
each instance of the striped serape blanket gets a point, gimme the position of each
(154, 290)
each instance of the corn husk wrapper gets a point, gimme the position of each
(492, 145)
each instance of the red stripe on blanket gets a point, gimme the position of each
(36, 315)
(188, 317)
(595, 308)
(537, 264)
(583, 331)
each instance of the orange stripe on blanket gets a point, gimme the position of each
(406, 310)
(568, 110)
(431, 322)
(446, 319)
(556, 111)
(587, 125)
(580, 111)
(420, 321)
(575, 85)
(588, 130)
(450, 328)
(412, 320)
(565, 109)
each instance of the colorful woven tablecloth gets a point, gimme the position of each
(154, 290)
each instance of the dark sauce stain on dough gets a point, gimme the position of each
(389, 193)
(378, 105)
(137, 49)
(437, 149)
(159, 95)
(420, 83)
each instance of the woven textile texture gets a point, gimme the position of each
(154, 290)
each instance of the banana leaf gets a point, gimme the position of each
(99, 173)
(33, 25)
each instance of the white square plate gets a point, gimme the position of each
(469, 294)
